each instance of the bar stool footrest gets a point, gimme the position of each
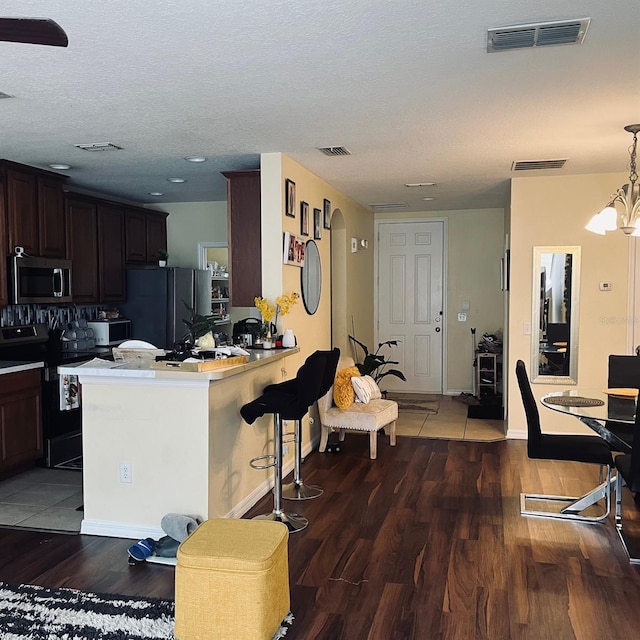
(270, 456)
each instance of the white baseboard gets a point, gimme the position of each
(137, 531)
(133, 530)
(517, 434)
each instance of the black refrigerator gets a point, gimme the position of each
(156, 299)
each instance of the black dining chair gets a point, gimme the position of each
(628, 467)
(623, 372)
(573, 448)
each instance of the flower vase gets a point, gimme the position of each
(288, 339)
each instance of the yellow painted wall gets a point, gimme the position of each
(475, 244)
(548, 211)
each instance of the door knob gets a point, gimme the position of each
(437, 329)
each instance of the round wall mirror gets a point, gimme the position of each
(311, 278)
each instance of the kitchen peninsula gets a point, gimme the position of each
(158, 442)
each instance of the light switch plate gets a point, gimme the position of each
(354, 245)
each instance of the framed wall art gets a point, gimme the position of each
(327, 214)
(304, 218)
(294, 250)
(290, 187)
(317, 224)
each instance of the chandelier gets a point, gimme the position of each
(627, 197)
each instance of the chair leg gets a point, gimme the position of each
(373, 444)
(324, 438)
(298, 490)
(294, 522)
(630, 546)
(575, 506)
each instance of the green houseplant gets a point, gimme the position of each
(375, 364)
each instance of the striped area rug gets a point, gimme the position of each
(29, 612)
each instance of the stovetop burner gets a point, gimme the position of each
(31, 343)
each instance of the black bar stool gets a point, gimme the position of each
(290, 402)
(298, 490)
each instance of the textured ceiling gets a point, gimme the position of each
(405, 85)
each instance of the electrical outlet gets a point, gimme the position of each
(126, 474)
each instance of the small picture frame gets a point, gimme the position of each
(326, 208)
(290, 191)
(304, 218)
(294, 250)
(317, 224)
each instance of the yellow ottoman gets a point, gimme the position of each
(232, 580)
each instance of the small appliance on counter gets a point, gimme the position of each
(110, 333)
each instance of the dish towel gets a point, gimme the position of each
(69, 392)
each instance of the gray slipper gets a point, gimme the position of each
(178, 526)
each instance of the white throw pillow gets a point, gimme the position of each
(366, 389)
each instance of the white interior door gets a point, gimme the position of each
(410, 302)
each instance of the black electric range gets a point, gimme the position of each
(61, 428)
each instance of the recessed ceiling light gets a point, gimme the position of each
(420, 184)
(176, 180)
(428, 198)
(195, 159)
(156, 193)
(60, 165)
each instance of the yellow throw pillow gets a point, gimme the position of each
(343, 393)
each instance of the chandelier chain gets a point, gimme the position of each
(633, 174)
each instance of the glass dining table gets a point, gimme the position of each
(595, 407)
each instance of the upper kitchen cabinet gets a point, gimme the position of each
(156, 234)
(82, 249)
(34, 205)
(95, 245)
(135, 227)
(112, 279)
(145, 235)
(243, 221)
(4, 289)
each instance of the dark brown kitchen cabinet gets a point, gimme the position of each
(20, 420)
(156, 234)
(243, 223)
(4, 289)
(145, 235)
(112, 278)
(34, 206)
(135, 225)
(22, 211)
(82, 249)
(51, 218)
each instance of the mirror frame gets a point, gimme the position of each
(572, 377)
(310, 306)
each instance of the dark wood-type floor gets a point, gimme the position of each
(425, 542)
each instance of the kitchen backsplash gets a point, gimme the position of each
(34, 313)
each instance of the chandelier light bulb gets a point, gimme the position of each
(627, 198)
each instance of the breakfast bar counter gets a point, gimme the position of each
(158, 442)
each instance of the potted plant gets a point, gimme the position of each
(374, 364)
(163, 256)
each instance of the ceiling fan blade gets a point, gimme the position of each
(33, 31)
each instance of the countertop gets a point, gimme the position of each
(140, 369)
(15, 366)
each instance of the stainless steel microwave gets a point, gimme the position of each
(40, 280)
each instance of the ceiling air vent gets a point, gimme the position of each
(536, 165)
(388, 206)
(98, 146)
(335, 151)
(542, 34)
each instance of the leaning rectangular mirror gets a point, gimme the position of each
(554, 322)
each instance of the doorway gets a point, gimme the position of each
(410, 301)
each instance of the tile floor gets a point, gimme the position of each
(42, 499)
(450, 423)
